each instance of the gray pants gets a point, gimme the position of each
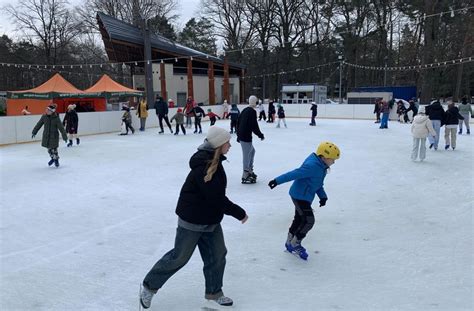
(437, 128)
(466, 121)
(142, 123)
(450, 136)
(248, 153)
(419, 146)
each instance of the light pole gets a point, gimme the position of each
(297, 91)
(340, 78)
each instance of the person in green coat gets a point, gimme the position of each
(52, 124)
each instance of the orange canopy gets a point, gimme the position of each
(109, 88)
(57, 86)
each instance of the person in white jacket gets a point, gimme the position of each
(420, 129)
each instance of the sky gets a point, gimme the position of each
(186, 9)
(394, 234)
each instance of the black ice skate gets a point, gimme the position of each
(249, 179)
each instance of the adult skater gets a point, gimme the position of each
(421, 127)
(142, 113)
(412, 108)
(50, 140)
(271, 112)
(261, 111)
(161, 108)
(198, 113)
(465, 110)
(308, 181)
(451, 121)
(436, 114)
(188, 111)
(225, 108)
(246, 125)
(385, 110)
(377, 110)
(234, 116)
(71, 122)
(314, 113)
(201, 206)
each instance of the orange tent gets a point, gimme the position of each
(106, 87)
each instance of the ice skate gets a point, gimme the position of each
(69, 144)
(220, 299)
(298, 250)
(56, 162)
(248, 180)
(78, 141)
(146, 296)
(50, 162)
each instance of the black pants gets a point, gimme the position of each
(262, 116)
(128, 125)
(304, 219)
(165, 117)
(313, 119)
(233, 125)
(270, 118)
(182, 128)
(213, 121)
(197, 123)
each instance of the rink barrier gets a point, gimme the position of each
(17, 129)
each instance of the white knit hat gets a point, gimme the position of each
(217, 136)
(253, 101)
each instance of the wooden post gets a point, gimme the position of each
(226, 80)
(212, 90)
(242, 87)
(164, 93)
(190, 79)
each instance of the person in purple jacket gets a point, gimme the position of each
(308, 182)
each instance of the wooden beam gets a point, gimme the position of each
(190, 78)
(226, 79)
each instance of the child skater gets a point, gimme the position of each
(201, 207)
(71, 122)
(308, 181)
(198, 115)
(127, 119)
(50, 140)
(281, 115)
(421, 127)
(314, 113)
(212, 116)
(179, 117)
(234, 116)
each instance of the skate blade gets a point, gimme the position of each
(296, 255)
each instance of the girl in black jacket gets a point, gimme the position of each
(201, 206)
(451, 120)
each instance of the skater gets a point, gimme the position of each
(308, 181)
(225, 108)
(436, 114)
(170, 103)
(421, 127)
(161, 108)
(50, 140)
(314, 113)
(188, 111)
(25, 111)
(142, 113)
(201, 206)
(413, 108)
(465, 110)
(246, 125)
(261, 111)
(71, 123)
(179, 118)
(234, 116)
(198, 115)
(271, 112)
(127, 120)
(281, 115)
(377, 109)
(451, 121)
(402, 112)
(212, 116)
(385, 110)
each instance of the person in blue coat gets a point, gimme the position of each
(308, 182)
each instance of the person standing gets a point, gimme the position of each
(451, 121)
(314, 113)
(71, 122)
(377, 110)
(465, 110)
(421, 127)
(413, 108)
(188, 111)
(385, 110)
(179, 119)
(436, 114)
(281, 115)
(308, 182)
(161, 108)
(52, 128)
(261, 111)
(142, 113)
(246, 125)
(201, 207)
(198, 115)
(127, 120)
(271, 112)
(234, 116)
(225, 108)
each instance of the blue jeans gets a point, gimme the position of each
(437, 128)
(384, 123)
(213, 251)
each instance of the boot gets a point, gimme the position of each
(460, 131)
(78, 141)
(288, 242)
(468, 132)
(50, 162)
(56, 162)
(446, 147)
(69, 143)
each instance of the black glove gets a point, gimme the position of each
(472, 116)
(322, 202)
(263, 137)
(33, 136)
(272, 183)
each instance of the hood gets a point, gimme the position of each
(420, 118)
(203, 155)
(436, 105)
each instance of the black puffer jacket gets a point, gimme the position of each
(435, 111)
(205, 203)
(452, 116)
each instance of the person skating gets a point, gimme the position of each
(71, 123)
(161, 108)
(198, 115)
(271, 112)
(465, 110)
(225, 108)
(201, 207)
(188, 111)
(142, 113)
(413, 108)
(127, 120)
(261, 111)
(50, 139)
(234, 116)
(179, 118)
(314, 113)
(421, 128)
(246, 125)
(308, 182)
(281, 115)
(436, 114)
(212, 116)
(377, 109)
(385, 110)
(451, 121)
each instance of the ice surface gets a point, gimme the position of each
(395, 234)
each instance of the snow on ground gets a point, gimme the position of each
(395, 234)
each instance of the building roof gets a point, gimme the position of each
(121, 31)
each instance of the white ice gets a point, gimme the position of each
(395, 234)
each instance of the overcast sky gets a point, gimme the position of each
(186, 10)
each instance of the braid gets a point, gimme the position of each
(213, 165)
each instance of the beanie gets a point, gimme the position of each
(253, 101)
(217, 136)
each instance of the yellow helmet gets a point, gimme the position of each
(328, 150)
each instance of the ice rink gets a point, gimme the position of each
(394, 235)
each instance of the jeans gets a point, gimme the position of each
(437, 127)
(384, 123)
(248, 154)
(419, 146)
(213, 251)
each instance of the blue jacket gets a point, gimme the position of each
(308, 179)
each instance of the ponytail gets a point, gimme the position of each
(213, 164)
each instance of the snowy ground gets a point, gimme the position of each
(395, 234)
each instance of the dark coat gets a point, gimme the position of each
(205, 203)
(314, 110)
(281, 113)
(52, 124)
(452, 116)
(234, 113)
(71, 121)
(198, 112)
(161, 107)
(435, 111)
(247, 124)
(271, 108)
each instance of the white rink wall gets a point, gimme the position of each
(17, 129)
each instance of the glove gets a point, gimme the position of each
(33, 136)
(322, 202)
(272, 184)
(472, 116)
(263, 137)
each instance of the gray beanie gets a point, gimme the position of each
(217, 136)
(253, 101)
